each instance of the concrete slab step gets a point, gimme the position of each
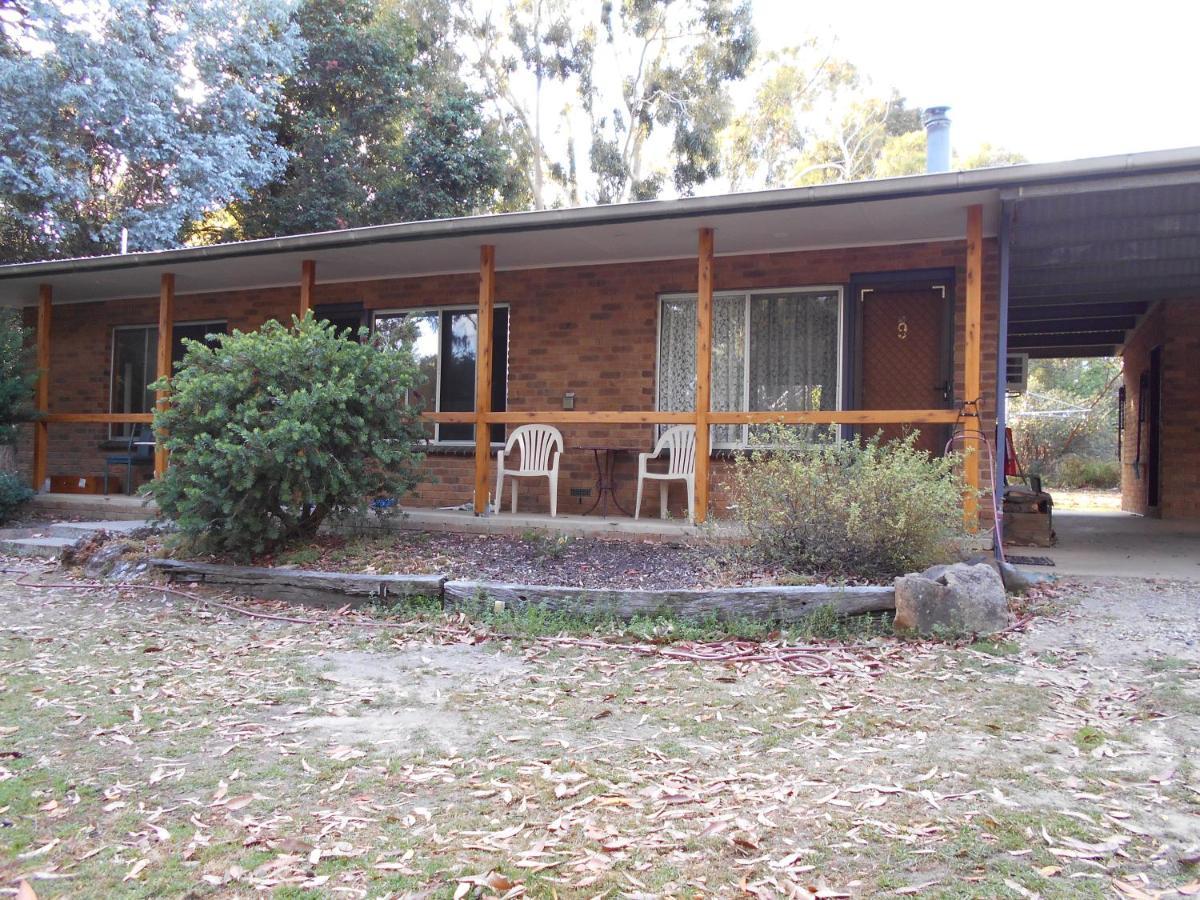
(95, 506)
(45, 547)
(76, 530)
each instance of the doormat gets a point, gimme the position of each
(1030, 560)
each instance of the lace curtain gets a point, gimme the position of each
(677, 356)
(793, 355)
(677, 360)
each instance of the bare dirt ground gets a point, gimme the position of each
(535, 558)
(159, 748)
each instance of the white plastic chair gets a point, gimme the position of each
(681, 442)
(537, 444)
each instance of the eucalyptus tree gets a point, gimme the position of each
(378, 123)
(142, 115)
(522, 53)
(675, 61)
(813, 118)
(613, 101)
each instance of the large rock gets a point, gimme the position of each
(1015, 580)
(952, 601)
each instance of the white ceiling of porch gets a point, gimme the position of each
(370, 254)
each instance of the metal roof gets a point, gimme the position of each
(1094, 242)
(1086, 266)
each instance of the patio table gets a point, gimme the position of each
(606, 482)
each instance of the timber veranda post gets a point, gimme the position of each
(483, 376)
(41, 428)
(166, 329)
(308, 284)
(973, 364)
(704, 314)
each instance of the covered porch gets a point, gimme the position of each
(1120, 544)
(903, 303)
(582, 293)
(1110, 268)
(120, 507)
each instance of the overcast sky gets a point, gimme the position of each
(1053, 79)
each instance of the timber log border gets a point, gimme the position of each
(784, 604)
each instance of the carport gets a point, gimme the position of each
(1111, 267)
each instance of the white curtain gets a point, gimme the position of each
(793, 356)
(794, 352)
(729, 365)
(677, 360)
(677, 356)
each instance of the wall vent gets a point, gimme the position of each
(1016, 373)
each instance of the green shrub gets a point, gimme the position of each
(270, 432)
(1073, 471)
(854, 509)
(17, 377)
(14, 491)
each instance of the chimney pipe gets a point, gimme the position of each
(937, 138)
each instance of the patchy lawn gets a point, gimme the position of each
(160, 748)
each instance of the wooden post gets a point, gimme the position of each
(166, 342)
(704, 318)
(973, 362)
(483, 376)
(1001, 412)
(41, 429)
(308, 283)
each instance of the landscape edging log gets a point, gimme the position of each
(304, 585)
(784, 604)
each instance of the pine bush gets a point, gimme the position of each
(270, 432)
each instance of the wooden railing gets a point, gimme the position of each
(482, 417)
(98, 418)
(651, 417)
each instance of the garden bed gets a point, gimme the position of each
(587, 578)
(537, 558)
(784, 604)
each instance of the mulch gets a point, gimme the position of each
(568, 562)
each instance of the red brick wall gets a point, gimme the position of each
(591, 330)
(1173, 325)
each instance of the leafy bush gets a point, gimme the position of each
(1070, 409)
(270, 432)
(857, 509)
(17, 377)
(1083, 472)
(14, 491)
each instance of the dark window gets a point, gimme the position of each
(444, 343)
(347, 318)
(135, 366)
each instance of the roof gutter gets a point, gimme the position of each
(1000, 178)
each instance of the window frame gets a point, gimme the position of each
(746, 294)
(151, 353)
(436, 440)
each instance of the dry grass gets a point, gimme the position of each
(149, 748)
(1085, 500)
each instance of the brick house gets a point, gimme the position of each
(874, 305)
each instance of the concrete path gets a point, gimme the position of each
(1118, 543)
